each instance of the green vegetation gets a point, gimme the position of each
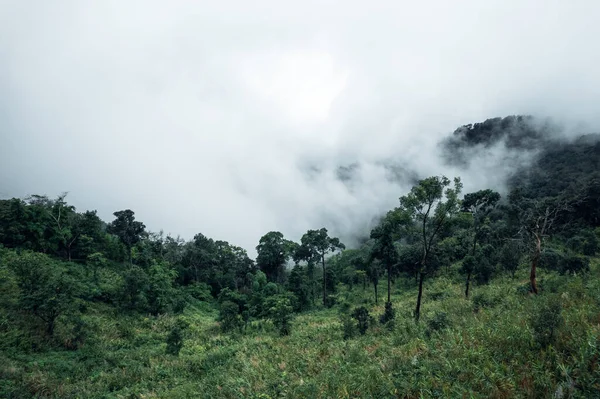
(487, 296)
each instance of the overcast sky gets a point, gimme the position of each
(206, 116)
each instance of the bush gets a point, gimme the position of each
(546, 321)
(483, 300)
(550, 259)
(348, 326)
(330, 301)
(388, 314)
(510, 256)
(574, 264)
(199, 291)
(229, 316)
(281, 313)
(176, 337)
(438, 322)
(361, 314)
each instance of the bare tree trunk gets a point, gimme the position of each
(534, 262)
(418, 309)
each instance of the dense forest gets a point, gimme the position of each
(491, 293)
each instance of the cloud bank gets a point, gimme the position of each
(234, 119)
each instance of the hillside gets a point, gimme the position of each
(454, 294)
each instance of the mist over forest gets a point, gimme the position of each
(299, 199)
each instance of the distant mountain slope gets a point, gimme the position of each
(559, 166)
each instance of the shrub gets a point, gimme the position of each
(361, 314)
(281, 313)
(229, 316)
(330, 301)
(546, 320)
(484, 300)
(388, 314)
(574, 264)
(510, 256)
(438, 322)
(550, 259)
(199, 291)
(348, 326)
(176, 337)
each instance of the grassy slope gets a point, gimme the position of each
(489, 353)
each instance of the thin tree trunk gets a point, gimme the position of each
(324, 281)
(534, 263)
(418, 309)
(389, 276)
(376, 298)
(468, 282)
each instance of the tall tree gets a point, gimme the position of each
(315, 245)
(536, 218)
(385, 249)
(430, 205)
(479, 204)
(129, 231)
(46, 290)
(273, 252)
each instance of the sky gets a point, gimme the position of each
(231, 118)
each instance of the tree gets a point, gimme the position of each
(280, 311)
(385, 248)
(361, 314)
(176, 337)
(46, 290)
(315, 245)
(536, 219)
(299, 285)
(373, 272)
(273, 252)
(129, 231)
(160, 292)
(430, 205)
(479, 204)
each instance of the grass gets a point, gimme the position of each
(484, 351)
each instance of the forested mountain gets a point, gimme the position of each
(485, 294)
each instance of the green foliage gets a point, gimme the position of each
(430, 205)
(574, 264)
(281, 313)
(546, 320)
(68, 332)
(551, 259)
(485, 299)
(160, 293)
(361, 314)
(175, 339)
(45, 288)
(388, 314)
(438, 322)
(299, 284)
(510, 256)
(348, 326)
(315, 244)
(129, 231)
(273, 252)
(229, 316)
(134, 287)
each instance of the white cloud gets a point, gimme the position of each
(203, 117)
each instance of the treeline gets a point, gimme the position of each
(55, 259)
